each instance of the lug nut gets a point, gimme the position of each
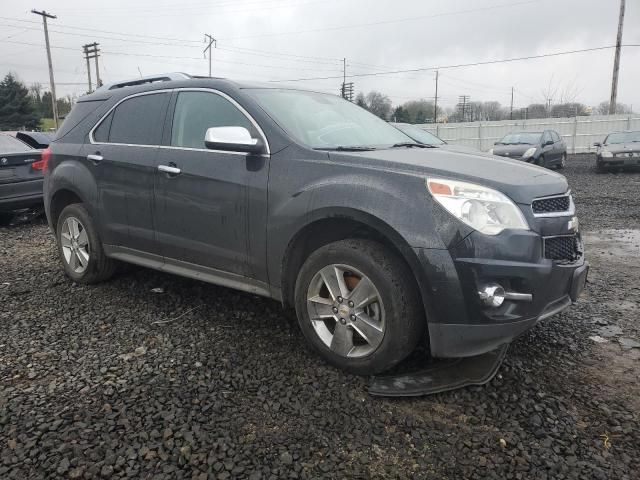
(343, 321)
(340, 299)
(335, 309)
(350, 303)
(353, 318)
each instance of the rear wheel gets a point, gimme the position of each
(358, 306)
(80, 248)
(5, 218)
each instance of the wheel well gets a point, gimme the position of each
(329, 230)
(60, 200)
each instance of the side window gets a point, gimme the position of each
(197, 111)
(138, 120)
(556, 137)
(546, 137)
(101, 134)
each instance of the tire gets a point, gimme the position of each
(81, 243)
(541, 162)
(600, 168)
(393, 310)
(563, 161)
(5, 218)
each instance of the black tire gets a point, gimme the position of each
(5, 218)
(404, 320)
(563, 161)
(600, 168)
(541, 162)
(99, 267)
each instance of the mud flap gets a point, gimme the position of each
(440, 377)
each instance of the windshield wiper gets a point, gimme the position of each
(344, 148)
(411, 144)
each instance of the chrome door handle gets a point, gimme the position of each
(95, 158)
(169, 170)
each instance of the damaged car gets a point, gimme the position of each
(377, 241)
(546, 148)
(618, 150)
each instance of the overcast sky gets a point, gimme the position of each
(291, 39)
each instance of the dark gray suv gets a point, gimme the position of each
(376, 241)
(546, 148)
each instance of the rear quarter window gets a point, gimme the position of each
(78, 113)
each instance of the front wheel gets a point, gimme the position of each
(541, 162)
(358, 306)
(80, 248)
(563, 161)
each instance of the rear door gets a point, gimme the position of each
(123, 147)
(203, 213)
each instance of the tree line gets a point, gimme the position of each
(23, 108)
(422, 111)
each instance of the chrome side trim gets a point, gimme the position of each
(518, 297)
(189, 270)
(186, 89)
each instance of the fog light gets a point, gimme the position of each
(492, 295)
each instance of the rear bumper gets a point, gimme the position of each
(461, 326)
(14, 196)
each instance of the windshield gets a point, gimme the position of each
(418, 134)
(623, 137)
(528, 138)
(12, 145)
(324, 121)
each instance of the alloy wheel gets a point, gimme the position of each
(346, 311)
(75, 245)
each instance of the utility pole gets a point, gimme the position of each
(54, 101)
(463, 100)
(91, 50)
(212, 41)
(435, 106)
(511, 112)
(616, 61)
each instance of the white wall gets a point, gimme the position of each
(579, 133)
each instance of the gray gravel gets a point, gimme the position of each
(222, 387)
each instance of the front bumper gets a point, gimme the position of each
(14, 196)
(619, 161)
(460, 325)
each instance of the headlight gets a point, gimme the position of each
(490, 152)
(529, 153)
(606, 153)
(482, 208)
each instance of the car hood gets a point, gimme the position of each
(623, 147)
(520, 181)
(511, 150)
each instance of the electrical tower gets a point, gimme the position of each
(346, 91)
(462, 106)
(91, 51)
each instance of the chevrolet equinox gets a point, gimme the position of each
(377, 241)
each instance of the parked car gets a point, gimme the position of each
(427, 138)
(21, 176)
(546, 148)
(377, 241)
(39, 140)
(618, 150)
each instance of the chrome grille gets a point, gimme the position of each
(551, 205)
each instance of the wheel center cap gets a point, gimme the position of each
(343, 311)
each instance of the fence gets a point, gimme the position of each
(579, 133)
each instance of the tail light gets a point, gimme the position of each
(44, 160)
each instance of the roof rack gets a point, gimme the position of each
(164, 77)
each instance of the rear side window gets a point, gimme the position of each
(78, 113)
(195, 112)
(137, 120)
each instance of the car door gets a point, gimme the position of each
(547, 148)
(123, 148)
(559, 146)
(205, 198)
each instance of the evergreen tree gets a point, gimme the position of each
(17, 110)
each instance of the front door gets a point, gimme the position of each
(123, 154)
(206, 200)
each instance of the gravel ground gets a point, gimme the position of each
(114, 380)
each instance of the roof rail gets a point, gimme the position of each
(163, 77)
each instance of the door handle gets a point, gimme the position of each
(95, 158)
(169, 169)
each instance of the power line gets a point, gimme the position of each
(460, 65)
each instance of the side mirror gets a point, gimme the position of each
(232, 139)
(495, 143)
(597, 144)
(548, 142)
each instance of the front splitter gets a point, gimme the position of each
(442, 376)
